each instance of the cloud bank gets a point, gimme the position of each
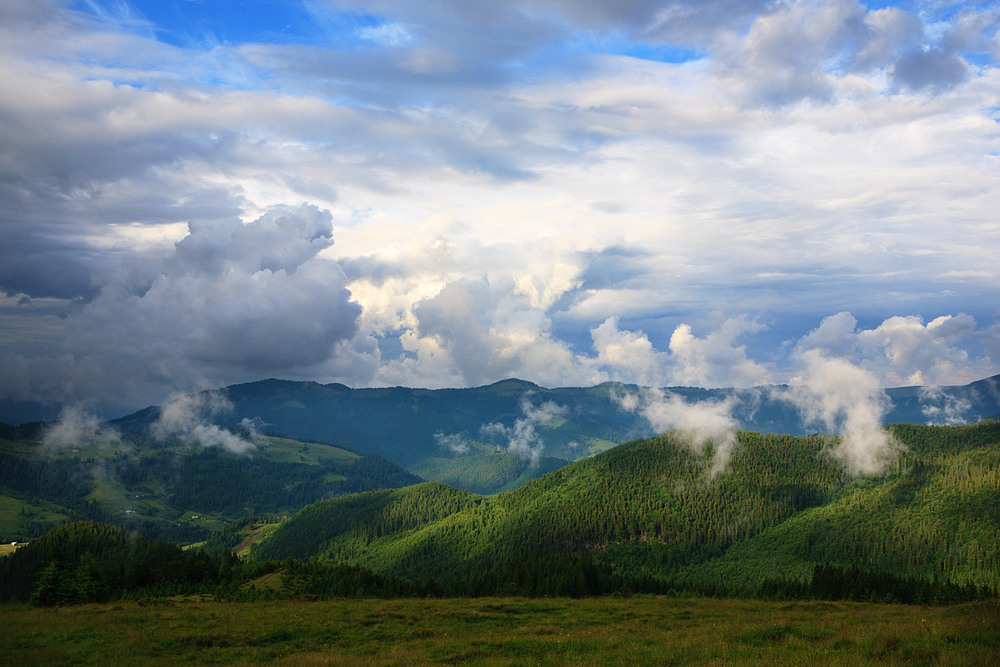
(664, 193)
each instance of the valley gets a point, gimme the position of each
(776, 541)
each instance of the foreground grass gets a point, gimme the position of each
(502, 631)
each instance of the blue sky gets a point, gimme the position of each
(446, 193)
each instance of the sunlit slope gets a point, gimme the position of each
(650, 492)
(486, 473)
(650, 507)
(358, 520)
(939, 517)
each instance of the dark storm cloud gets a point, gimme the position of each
(51, 242)
(232, 302)
(248, 297)
(79, 156)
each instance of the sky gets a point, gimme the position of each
(446, 194)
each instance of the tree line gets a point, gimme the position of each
(89, 562)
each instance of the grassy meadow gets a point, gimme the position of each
(502, 631)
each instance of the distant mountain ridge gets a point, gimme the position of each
(421, 428)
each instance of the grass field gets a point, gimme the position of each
(509, 631)
(7, 548)
(12, 521)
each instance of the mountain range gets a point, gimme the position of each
(703, 506)
(271, 447)
(491, 438)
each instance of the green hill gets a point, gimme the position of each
(650, 510)
(169, 488)
(486, 473)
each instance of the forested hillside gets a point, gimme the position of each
(651, 510)
(172, 489)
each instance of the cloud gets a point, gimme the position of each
(713, 361)
(188, 417)
(941, 66)
(931, 68)
(808, 50)
(552, 190)
(890, 30)
(699, 424)
(940, 408)
(490, 331)
(716, 360)
(918, 353)
(626, 400)
(453, 442)
(902, 349)
(628, 355)
(779, 60)
(235, 297)
(834, 337)
(234, 301)
(849, 401)
(522, 437)
(77, 428)
(393, 35)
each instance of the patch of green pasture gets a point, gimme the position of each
(285, 450)
(110, 493)
(596, 445)
(504, 631)
(260, 531)
(210, 521)
(8, 548)
(12, 520)
(22, 448)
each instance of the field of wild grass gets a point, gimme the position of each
(502, 631)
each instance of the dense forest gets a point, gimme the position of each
(92, 562)
(89, 562)
(783, 519)
(650, 510)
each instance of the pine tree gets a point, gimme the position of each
(53, 587)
